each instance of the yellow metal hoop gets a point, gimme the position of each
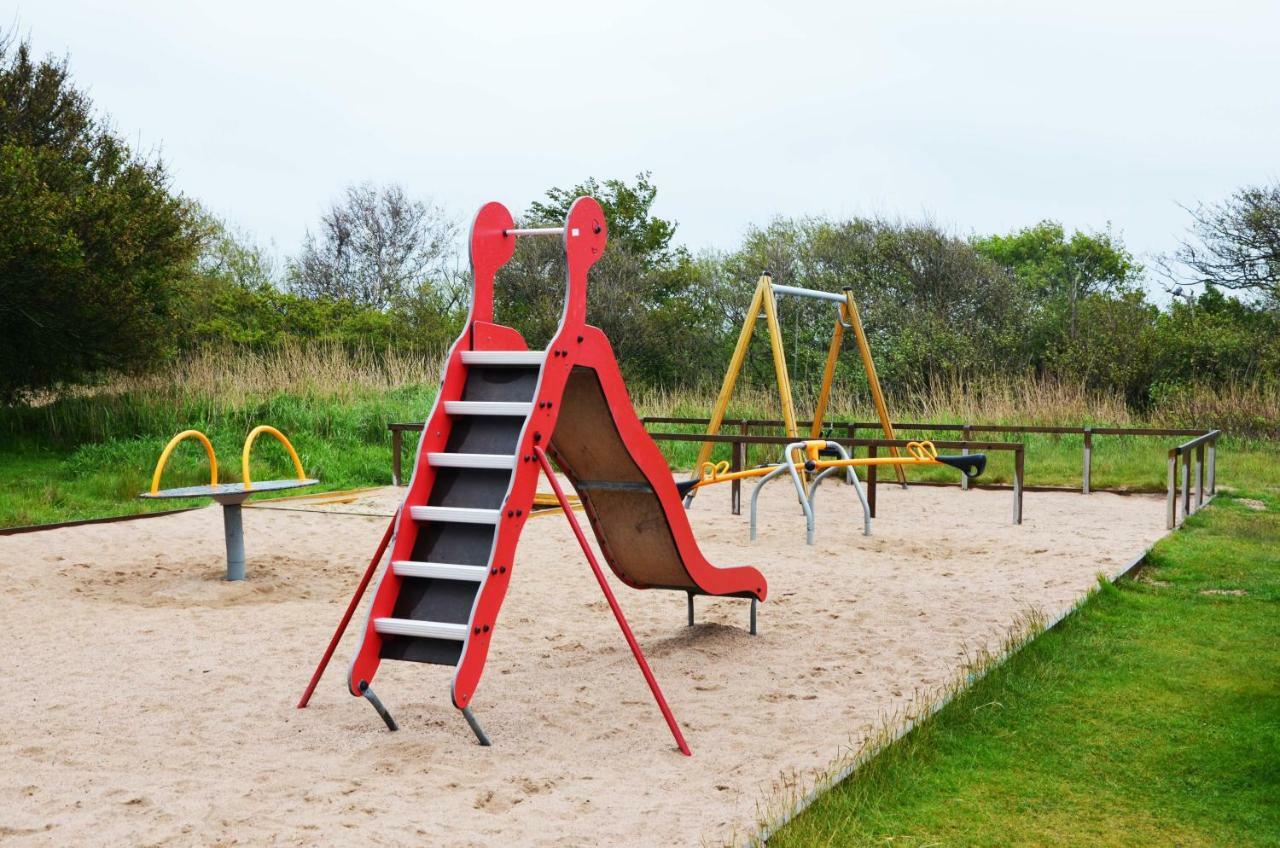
(173, 443)
(248, 446)
(711, 471)
(922, 450)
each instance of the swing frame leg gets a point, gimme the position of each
(346, 617)
(613, 602)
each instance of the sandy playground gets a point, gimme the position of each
(147, 702)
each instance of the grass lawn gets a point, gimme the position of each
(344, 443)
(1150, 716)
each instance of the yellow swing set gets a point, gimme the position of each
(765, 301)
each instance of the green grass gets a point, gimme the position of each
(1150, 716)
(88, 457)
(342, 442)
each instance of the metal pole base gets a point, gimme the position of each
(690, 609)
(233, 531)
(481, 736)
(754, 603)
(377, 705)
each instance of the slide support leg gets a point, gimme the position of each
(481, 736)
(346, 616)
(613, 602)
(367, 692)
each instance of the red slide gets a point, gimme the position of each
(476, 475)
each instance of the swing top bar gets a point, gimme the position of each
(813, 293)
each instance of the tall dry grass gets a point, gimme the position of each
(1028, 400)
(1240, 408)
(213, 387)
(230, 377)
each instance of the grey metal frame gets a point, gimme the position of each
(807, 497)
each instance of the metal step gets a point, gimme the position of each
(471, 460)
(456, 514)
(503, 357)
(420, 629)
(438, 570)
(488, 407)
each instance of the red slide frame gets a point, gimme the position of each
(575, 344)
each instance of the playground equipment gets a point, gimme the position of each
(502, 413)
(229, 495)
(763, 301)
(813, 450)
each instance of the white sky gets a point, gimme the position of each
(987, 118)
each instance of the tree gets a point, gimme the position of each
(1084, 305)
(934, 309)
(91, 236)
(1236, 244)
(1060, 273)
(627, 210)
(375, 246)
(650, 298)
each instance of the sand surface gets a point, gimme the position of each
(148, 702)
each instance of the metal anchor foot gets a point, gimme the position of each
(377, 705)
(481, 736)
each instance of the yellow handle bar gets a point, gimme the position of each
(248, 446)
(173, 443)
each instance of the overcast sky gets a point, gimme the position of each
(986, 118)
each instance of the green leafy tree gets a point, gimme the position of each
(91, 236)
(934, 309)
(628, 210)
(651, 298)
(1060, 272)
(1215, 340)
(1088, 318)
(235, 298)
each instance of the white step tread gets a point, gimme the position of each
(471, 460)
(487, 407)
(438, 570)
(457, 514)
(420, 629)
(503, 357)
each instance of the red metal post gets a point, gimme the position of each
(613, 603)
(351, 608)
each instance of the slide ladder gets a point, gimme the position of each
(454, 538)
